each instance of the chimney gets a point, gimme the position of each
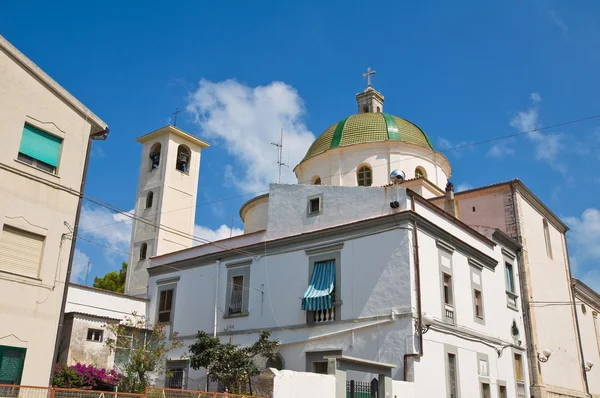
(450, 205)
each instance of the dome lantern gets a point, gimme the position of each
(370, 100)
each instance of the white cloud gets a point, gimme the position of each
(80, 267)
(547, 146)
(246, 120)
(223, 232)
(501, 149)
(465, 186)
(107, 227)
(584, 236)
(558, 23)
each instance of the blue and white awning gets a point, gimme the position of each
(318, 294)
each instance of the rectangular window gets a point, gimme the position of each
(165, 305)
(320, 367)
(478, 308)
(238, 289)
(447, 289)
(547, 239)
(176, 375)
(452, 379)
(518, 368)
(509, 276)
(20, 252)
(12, 360)
(237, 295)
(314, 205)
(39, 148)
(95, 335)
(502, 392)
(320, 296)
(485, 390)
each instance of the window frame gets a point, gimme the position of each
(523, 381)
(33, 162)
(94, 332)
(309, 200)
(149, 200)
(153, 149)
(237, 269)
(509, 273)
(477, 287)
(143, 251)
(334, 256)
(165, 288)
(450, 350)
(184, 366)
(547, 238)
(23, 351)
(362, 169)
(446, 253)
(189, 160)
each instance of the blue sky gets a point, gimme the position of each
(464, 72)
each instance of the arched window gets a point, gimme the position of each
(155, 156)
(183, 159)
(378, 109)
(420, 172)
(364, 175)
(149, 198)
(316, 180)
(547, 239)
(143, 250)
(366, 109)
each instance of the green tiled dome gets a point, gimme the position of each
(368, 127)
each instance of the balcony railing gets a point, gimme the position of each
(511, 300)
(235, 305)
(449, 314)
(323, 316)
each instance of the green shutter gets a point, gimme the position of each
(40, 145)
(11, 364)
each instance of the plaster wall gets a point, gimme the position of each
(550, 282)
(486, 210)
(338, 166)
(256, 216)
(85, 351)
(102, 303)
(36, 201)
(589, 328)
(340, 205)
(290, 384)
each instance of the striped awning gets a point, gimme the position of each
(318, 294)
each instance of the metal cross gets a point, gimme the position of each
(368, 75)
(177, 111)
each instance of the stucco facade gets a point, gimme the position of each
(587, 302)
(37, 208)
(377, 303)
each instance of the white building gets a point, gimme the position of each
(46, 135)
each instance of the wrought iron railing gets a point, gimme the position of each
(235, 305)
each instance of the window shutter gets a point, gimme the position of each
(11, 364)
(40, 145)
(20, 252)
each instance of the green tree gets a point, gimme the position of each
(230, 364)
(113, 281)
(140, 351)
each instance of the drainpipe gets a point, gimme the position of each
(525, 305)
(216, 297)
(100, 136)
(418, 286)
(585, 379)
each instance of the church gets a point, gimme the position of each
(371, 267)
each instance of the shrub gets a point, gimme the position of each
(80, 375)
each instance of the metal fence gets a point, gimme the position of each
(17, 391)
(152, 392)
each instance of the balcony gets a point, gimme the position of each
(235, 305)
(323, 316)
(449, 314)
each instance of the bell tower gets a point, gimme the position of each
(165, 204)
(370, 100)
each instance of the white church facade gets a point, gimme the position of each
(364, 275)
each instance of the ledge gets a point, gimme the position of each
(231, 316)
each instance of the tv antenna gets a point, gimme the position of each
(280, 161)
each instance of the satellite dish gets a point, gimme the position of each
(397, 177)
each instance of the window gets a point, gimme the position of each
(183, 159)
(176, 377)
(478, 307)
(509, 276)
(314, 205)
(149, 198)
(316, 180)
(364, 176)
(11, 364)
(378, 109)
(238, 289)
(319, 299)
(452, 379)
(39, 149)
(165, 305)
(366, 109)
(485, 390)
(519, 377)
(237, 295)
(547, 239)
(420, 172)
(502, 392)
(320, 367)
(155, 156)
(143, 250)
(447, 289)
(20, 251)
(583, 309)
(95, 335)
